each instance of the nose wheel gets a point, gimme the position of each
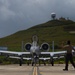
(35, 60)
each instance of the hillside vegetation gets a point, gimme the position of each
(54, 30)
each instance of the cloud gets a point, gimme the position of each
(5, 13)
(17, 15)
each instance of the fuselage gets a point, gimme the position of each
(35, 49)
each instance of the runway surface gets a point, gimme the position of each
(35, 70)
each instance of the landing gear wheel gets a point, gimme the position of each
(20, 62)
(52, 62)
(32, 63)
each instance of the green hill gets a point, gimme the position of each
(57, 30)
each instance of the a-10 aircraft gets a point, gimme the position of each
(35, 53)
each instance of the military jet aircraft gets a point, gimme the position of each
(35, 52)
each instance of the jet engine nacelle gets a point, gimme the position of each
(27, 46)
(45, 47)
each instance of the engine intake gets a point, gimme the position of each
(27, 46)
(45, 47)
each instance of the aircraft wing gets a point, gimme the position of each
(54, 54)
(16, 55)
(48, 58)
(12, 53)
(19, 58)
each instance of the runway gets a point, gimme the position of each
(15, 70)
(35, 70)
(56, 70)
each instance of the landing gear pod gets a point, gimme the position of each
(45, 47)
(27, 46)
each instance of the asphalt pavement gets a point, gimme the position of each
(36, 70)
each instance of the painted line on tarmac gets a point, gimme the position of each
(35, 71)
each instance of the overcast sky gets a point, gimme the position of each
(16, 15)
